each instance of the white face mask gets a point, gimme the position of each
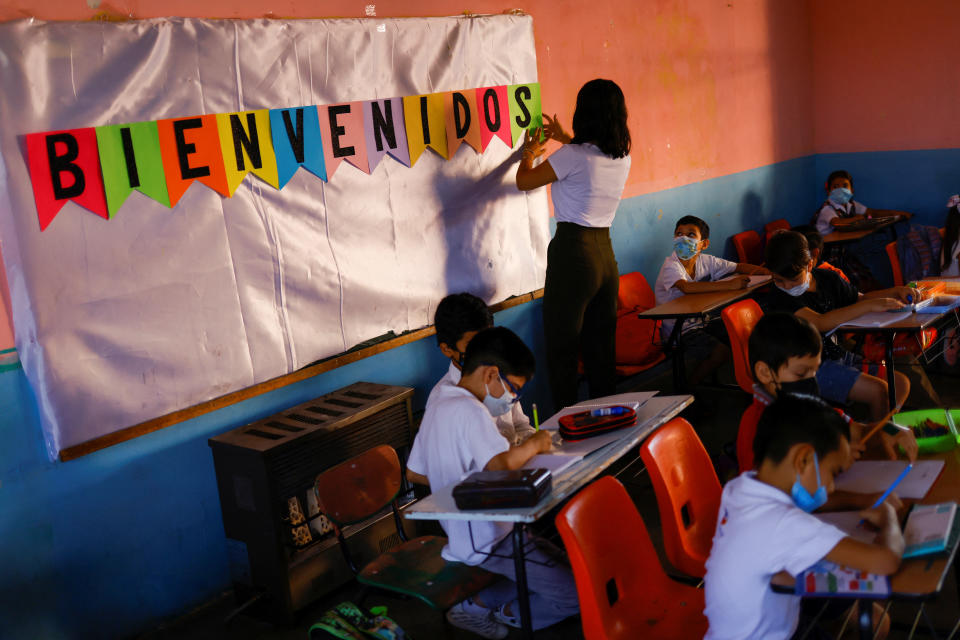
(501, 405)
(800, 289)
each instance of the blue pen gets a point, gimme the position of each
(886, 494)
(609, 411)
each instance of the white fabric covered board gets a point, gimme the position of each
(121, 321)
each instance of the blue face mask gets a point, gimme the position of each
(798, 290)
(841, 196)
(802, 498)
(501, 405)
(685, 247)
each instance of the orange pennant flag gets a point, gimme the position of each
(190, 148)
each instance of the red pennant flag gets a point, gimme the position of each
(65, 165)
(494, 115)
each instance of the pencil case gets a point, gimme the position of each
(578, 426)
(502, 489)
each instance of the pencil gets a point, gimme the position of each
(878, 425)
(536, 419)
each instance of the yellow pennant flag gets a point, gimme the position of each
(426, 124)
(247, 146)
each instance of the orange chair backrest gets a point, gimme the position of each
(747, 244)
(895, 264)
(740, 319)
(613, 560)
(359, 487)
(635, 292)
(776, 225)
(688, 494)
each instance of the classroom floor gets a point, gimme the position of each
(715, 415)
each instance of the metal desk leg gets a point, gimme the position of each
(866, 619)
(891, 389)
(675, 344)
(523, 595)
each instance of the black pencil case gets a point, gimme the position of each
(502, 489)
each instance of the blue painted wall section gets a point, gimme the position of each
(113, 543)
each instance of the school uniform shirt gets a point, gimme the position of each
(831, 210)
(833, 292)
(589, 184)
(457, 437)
(760, 532)
(707, 268)
(954, 269)
(514, 425)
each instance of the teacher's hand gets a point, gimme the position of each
(554, 131)
(531, 144)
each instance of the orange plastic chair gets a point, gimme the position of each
(624, 592)
(688, 494)
(776, 225)
(354, 490)
(748, 247)
(637, 348)
(895, 264)
(740, 319)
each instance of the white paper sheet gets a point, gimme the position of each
(158, 309)
(875, 476)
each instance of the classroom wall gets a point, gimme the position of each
(723, 121)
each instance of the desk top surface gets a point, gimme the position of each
(851, 236)
(654, 413)
(698, 304)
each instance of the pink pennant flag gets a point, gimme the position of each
(343, 136)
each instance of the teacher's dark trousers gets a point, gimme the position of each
(580, 311)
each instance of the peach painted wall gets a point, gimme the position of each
(887, 75)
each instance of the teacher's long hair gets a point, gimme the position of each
(601, 118)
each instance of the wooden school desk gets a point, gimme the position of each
(916, 323)
(688, 306)
(918, 579)
(439, 505)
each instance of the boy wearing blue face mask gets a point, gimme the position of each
(457, 437)
(840, 209)
(765, 526)
(689, 270)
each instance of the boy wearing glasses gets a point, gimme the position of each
(457, 437)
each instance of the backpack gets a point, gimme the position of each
(347, 621)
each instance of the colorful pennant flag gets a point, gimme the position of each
(462, 120)
(297, 142)
(190, 148)
(386, 131)
(494, 112)
(426, 125)
(98, 168)
(524, 109)
(130, 160)
(342, 127)
(65, 165)
(246, 147)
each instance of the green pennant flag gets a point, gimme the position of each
(130, 159)
(524, 100)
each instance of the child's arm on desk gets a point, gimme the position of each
(752, 269)
(733, 284)
(516, 457)
(887, 213)
(416, 478)
(830, 320)
(881, 557)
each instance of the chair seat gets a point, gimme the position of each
(416, 568)
(676, 613)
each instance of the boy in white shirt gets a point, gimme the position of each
(765, 526)
(457, 319)
(841, 210)
(457, 437)
(689, 270)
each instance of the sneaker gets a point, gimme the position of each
(500, 615)
(471, 617)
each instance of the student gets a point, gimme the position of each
(689, 270)
(827, 301)
(815, 247)
(784, 352)
(950, 249)
(457, 319)
(457, 437)
(765, 526)
(841, 210)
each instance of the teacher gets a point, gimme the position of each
(580, 295)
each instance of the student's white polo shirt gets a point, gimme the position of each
(831, 210)
(760, 532)
(457, 437)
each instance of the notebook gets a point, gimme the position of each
(828, 579)
(849, 523)
(929, 528)
(555, 462)
(876, 319)
(875, 476)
